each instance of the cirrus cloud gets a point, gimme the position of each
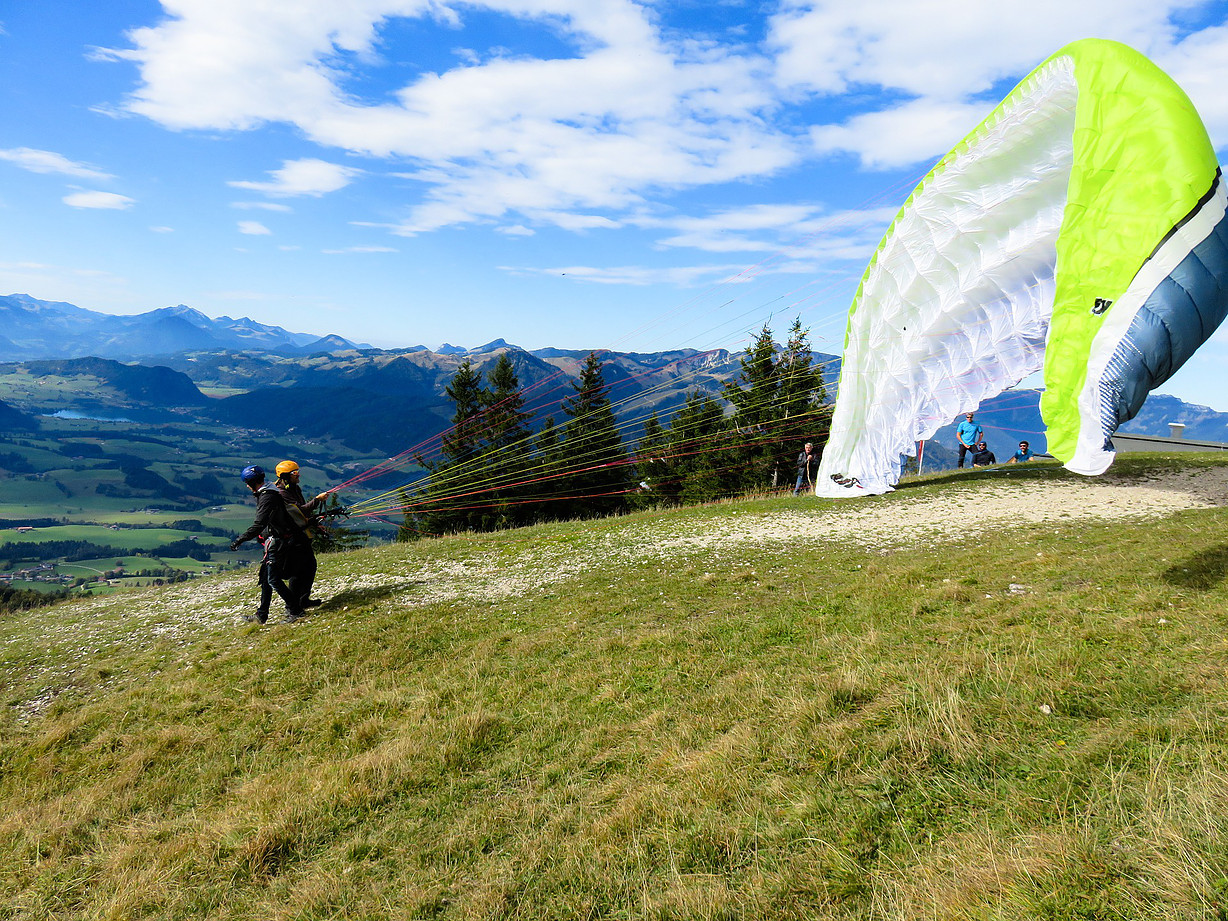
(106, 201)
(46, 161)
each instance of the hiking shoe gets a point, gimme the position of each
(312, 603)
(259, 617)
(292, 616)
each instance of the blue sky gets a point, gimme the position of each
(569, 173)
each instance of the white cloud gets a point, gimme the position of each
(578, 222)
(678, 276)
(261, 206)
(108, 201)
(45, 161)
(624, 112)
(916, 132)
(302, 177)
(162, 229)
(948, 49)
(947, 61)
(253, 228)
(360, 249)
(786, 231)
(621, 113)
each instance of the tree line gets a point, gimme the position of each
(493, 471)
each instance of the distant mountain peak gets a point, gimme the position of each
(449, 349)
(493, 347)
(184, 312)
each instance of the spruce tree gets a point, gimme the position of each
(699, 443)
(446, 505)
(653, 464)
(507, 436)
(551, 475)
(805, 415)
(755, 397)
(779, 404)
(755, 392)
(593, 453)
(410, 528)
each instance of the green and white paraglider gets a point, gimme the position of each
(1079, 230)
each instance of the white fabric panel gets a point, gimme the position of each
(955, 306)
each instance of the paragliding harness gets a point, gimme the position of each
(297, 533)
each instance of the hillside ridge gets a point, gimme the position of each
(948, 507)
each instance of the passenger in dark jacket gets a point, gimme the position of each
(292, 492)
(284, 544)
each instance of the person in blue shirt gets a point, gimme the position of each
(1023, 454)
(968, 433)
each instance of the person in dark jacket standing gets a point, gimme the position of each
(807, 464)
(292, 492)
(283, 544)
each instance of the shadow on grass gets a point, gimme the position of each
(1036, 470)
(1202, 570)
(368, 595)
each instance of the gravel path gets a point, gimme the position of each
(878, 524)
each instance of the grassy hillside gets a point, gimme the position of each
(1000, 694)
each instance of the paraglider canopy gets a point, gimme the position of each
(1078, 231)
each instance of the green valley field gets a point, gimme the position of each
(76, 491)
(1001, 694)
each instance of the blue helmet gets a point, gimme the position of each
(252, 473)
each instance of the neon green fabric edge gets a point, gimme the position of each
(1142, 160)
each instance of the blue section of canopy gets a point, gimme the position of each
(1179, 316)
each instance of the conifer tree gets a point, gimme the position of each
(805, 415)
(334, 536)
(551, 479)
(779, 404)
(699, 443)
(507, 437)
(410, 528)
(592, 448)
(755, 398)
(755, 391)
(462, 443)
(653, 463)
(446, 507)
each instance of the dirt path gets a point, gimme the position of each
(900, 521)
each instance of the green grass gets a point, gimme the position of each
(777, 731)
(126, 538)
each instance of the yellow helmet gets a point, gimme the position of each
(286, 467)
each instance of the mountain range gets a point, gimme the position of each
(251, 375)
(34, 329)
